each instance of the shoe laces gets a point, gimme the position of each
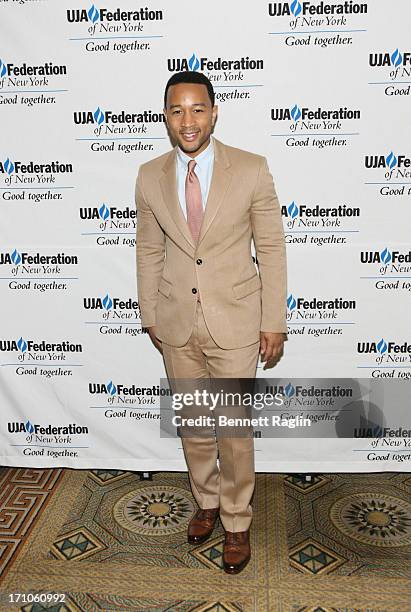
(206, 514)
(232, 541)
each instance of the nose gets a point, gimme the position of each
(187, 119)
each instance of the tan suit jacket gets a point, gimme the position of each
(172, 271)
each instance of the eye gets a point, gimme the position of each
(176, 112)
(198, 110)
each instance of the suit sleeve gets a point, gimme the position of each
(150, 252)
(268, 235)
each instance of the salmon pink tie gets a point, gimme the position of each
(193, 201)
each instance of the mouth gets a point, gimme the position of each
(189, 136)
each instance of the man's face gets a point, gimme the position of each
(190, 116)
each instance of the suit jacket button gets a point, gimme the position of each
(194, 290)
(199, 262)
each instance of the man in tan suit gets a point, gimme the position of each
(205, 306)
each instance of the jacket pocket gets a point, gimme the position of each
(247, 287)
(165, 287)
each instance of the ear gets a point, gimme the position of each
(214, 113)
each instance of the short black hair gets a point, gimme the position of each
(190, 76)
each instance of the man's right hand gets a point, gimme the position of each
(157, 343)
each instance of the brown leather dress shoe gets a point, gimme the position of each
(237, 552)
(201, 525)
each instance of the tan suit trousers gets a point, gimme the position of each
(221, 469)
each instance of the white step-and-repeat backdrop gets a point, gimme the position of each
(322, 88)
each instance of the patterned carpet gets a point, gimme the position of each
(107, 540)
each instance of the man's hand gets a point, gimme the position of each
(157, 343)
(271, 348)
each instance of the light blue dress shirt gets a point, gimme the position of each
(203, 169)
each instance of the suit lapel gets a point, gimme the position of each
(220, 182)
(168, 183)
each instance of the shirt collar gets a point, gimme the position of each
(201, 159)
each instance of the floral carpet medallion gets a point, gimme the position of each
(380, 520)
(154, 510)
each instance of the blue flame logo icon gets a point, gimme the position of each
(3, 68)
(396, 58)
(29, 427)
(295, 112)
(295, 8)
(8, 166)
(15, 257)
(22, 345)
(194, 62)
(93, 13)
(111, 388)
(293, 210)
(391, 160)
(382, 346)
(107, 302)
(104, 212)
(289, 390)
(291, 302)
(98, 115)
(385, 256)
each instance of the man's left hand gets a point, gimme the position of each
(271, 348)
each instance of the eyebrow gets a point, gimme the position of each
(195, 104)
